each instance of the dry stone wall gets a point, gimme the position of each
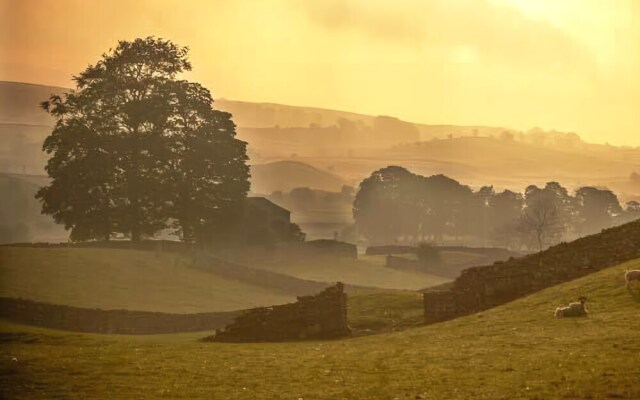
(480, 288)
(389, 249)
(109, 321)
(403, 264)
(323, 316)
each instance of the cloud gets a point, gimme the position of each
(494, 32)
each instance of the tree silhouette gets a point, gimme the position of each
(208, 175)
(546, 213)
(394, 204)
(385, 205)
(598, 208)
(133, 146)
(506, 209)
(631, 212)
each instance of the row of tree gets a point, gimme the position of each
(394, 203)
(135, 150)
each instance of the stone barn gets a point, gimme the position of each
(264, 221)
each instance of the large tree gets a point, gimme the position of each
(548, 213)
(597, 210)
(385, 206)
(208, 175)
(133, 146)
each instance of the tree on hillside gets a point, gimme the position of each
(546, 213)
(133, 146)
(208, 177)
(479, 213)
(446, 206)
(597, 209)
(302, 198)
(385, 204)
(631, 212)
(83, 192)
(506, 209)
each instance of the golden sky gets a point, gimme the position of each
(571, 65)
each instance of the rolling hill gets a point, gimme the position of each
(124, 279)
(353, 145)
(169, 282)
(515, 351)
(287, 175)
(20, 217)
(325, 148)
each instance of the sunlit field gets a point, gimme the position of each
(124, 279)
(368, 271)
(515, 351)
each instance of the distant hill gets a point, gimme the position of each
(352, 145)
(492, 156)
(505, 163)
(20, 217)
(269, 115)
(286, 175)
(20, 103)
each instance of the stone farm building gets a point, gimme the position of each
(264, 220)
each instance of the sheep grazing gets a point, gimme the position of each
(632, 275)
(576, 309)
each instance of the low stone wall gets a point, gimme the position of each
(439, 306)
(333, 248)
(389, 249)
(109, 321)
(323, 316)
(318, 248)
(273, 280)
(480, 288)
(169, 246)
(404, 264)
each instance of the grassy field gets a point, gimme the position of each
(146, 281)
(128, 279)
(516, 351)
(362, 272)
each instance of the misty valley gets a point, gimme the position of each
(161, 240)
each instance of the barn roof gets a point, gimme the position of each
(263, 202)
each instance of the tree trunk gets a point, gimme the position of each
(134, 183)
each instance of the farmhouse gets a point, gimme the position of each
(264, 221)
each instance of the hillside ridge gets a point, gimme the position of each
(484, 287)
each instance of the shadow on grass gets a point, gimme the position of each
(635, 293)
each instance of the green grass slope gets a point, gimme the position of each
(367, 271)
(123, 279)
(516, 351)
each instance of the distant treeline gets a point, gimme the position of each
(395, 205)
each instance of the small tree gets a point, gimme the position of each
(539, 217)
(296, 234)
(547, 214)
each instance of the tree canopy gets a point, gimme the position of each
(136, 150)
(394, 205)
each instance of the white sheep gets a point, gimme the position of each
(631, 275)
(576, 309)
